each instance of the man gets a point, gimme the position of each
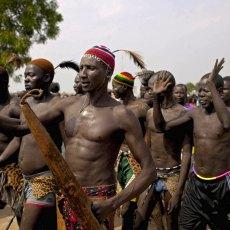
(207, 195)
(10, 174)
(39, 207)
(226, 90)
(144, 77)
(123, 89)
(96, 126)
(77, 86)
(180, 96)
(165, 194)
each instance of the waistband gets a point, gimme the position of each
(219, 177)
(45, 173)
(166, 172)
(100, 190)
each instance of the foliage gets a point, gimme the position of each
(25, 22)
(190, 87)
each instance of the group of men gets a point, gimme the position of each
(150, 139)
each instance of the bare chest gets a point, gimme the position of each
(207, 126)
(91, 124)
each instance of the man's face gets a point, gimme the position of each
(143, 78)
(204, 94)
(143, 90)
(33, 77)
(77, 85)
(92, 74)
(118, 89)
(180, 94)
(226, 91)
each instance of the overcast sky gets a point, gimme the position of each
(183, 37)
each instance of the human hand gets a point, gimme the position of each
(173, 203)
(215, 71)
(101, 209)
(160, 85)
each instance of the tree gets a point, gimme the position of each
(190, 87)
(25, 22)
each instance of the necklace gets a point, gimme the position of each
(84, 105)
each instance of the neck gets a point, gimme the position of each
(99, 96)
(45, 95)
(128, 97)
(4, 96)
(210, 109)
(168, 101)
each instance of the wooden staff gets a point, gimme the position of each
(64, 177)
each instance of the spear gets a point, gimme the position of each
(64, 177)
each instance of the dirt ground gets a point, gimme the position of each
(6, 215)
(5, 218)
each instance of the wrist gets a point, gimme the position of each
(155, 97)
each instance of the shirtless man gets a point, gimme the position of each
(226, 90)
(123, 89)
(207, 195)
(144, 77)
(11, 176)
(77, 86)
(165, 194)
(180, 95)
(96, 126)
(39, 208)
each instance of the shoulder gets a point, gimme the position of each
(182, 110)
(124, 116)
(15, 99)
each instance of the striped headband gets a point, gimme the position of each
(124, 78)
(102, 53)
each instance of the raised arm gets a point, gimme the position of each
(221, 109)
(135, 141)
(160, 86)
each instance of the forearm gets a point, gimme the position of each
(12, 147)
(158, 118)
(136, 187)
(13, 126)
(185, 167)
(220, 107)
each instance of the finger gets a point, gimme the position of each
(167, 80)
(221, 63)
(170, 83)
(216, 64)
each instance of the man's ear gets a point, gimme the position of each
(46, 78)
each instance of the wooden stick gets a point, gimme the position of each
(64, 177)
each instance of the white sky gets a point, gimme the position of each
(184, 37)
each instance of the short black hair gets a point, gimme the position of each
(218, 80)
(166, 74)
(182, 85)
(54, 87)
